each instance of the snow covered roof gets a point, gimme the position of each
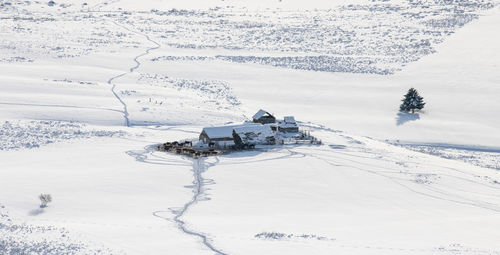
(258, 134)
(258, 129)
(225, 131)
(288, 125)
(289, 119)
(259, 114)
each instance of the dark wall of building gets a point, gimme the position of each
(289, 129)
(265, 120)
(204, 137)
(237, 140)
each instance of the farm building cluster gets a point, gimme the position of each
(263, 129)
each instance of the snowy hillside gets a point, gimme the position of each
(90, 87)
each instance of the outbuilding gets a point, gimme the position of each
(289, 125)
(263, 117)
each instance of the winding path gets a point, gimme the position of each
(132, 69)
(147, 155)
(199, 167)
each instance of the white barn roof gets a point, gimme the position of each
(288, 125)
(257, 134)
(289, 119)
(225, 131)
(259, 114)
(260, 129)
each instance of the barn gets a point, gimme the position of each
(263, 117)
(221, 135)
(248, 136)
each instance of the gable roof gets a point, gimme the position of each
(258, 129)
(289, 119)
(225, 131)
(257, 134)
(259, 114)
(288, 125)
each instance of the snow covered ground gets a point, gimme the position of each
(88, 89)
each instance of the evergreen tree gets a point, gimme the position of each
(412, 101)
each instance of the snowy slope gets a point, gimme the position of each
(89, 89)
(358, 197)
(458, 83)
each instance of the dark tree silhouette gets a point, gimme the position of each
(412, 101)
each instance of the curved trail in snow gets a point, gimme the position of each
(199, 182)
(430, 191)
(425, 190)
(147, 155)
(125, 110)
(198, 164)
(132, 69)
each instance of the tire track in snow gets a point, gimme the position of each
(447, 196)
(342, 134)
(199, 182)
(438, 193)
(147, 155)
(132, 69)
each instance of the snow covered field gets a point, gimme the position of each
(88, 89)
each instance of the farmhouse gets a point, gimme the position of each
(263, 117)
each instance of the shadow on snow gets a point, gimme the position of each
(402, 118)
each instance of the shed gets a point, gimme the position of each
(289, 125)
(263, 117)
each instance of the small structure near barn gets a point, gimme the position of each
(288, 125)
(263, 117)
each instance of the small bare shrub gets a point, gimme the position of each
(45, 199)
